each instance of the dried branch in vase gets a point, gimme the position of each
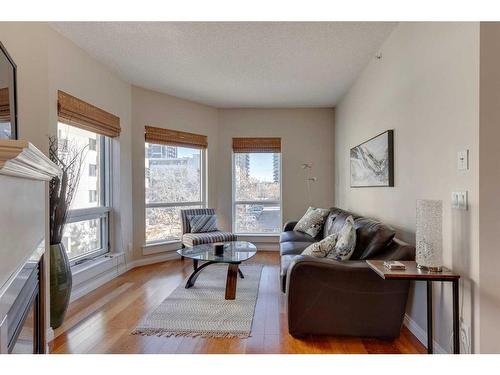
(69, 157)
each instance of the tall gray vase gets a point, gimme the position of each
(61, 282)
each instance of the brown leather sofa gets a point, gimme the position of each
(328, 297)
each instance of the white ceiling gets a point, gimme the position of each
(235, 64)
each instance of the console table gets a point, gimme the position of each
(413, 273)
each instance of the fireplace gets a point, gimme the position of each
(24, 175)
(21, 310)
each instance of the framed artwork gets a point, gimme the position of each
(372, 162)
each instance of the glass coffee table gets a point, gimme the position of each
(235, 252)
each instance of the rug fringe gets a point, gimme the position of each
(165, 333)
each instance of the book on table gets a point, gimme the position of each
(394, 265)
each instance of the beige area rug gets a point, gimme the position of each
(202, 310)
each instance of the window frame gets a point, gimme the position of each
(203, 194)
(102, 212)
(259, 202)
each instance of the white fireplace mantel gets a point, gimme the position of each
(22, 159)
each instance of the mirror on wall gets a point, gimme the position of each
(8, 104)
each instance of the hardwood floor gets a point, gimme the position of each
(101, 321)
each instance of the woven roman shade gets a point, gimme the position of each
(241, 145)
(4, 104)
(76, 112)
(175, 137)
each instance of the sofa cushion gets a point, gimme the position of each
(296, 237)
(321, 248)
(293, 248)
(313, 220)
(335, 221)
(346, 241)
(203, 223)
(193, 239)
(371, 238)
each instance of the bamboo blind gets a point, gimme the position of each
(76, 112)
(175, 137)
(241, 145)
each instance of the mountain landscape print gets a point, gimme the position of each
(372, 162)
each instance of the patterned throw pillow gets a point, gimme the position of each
(322, 248)
(312, 221)
(346, 241)
(202, 223)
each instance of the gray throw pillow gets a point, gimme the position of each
(202, 223)
(346, 241)
(322, 248)
(312, 222)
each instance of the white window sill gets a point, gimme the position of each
(91, 263)
(258, 238)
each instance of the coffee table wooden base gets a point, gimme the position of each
(232, 278)
(231, 282)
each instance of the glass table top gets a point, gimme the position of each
(234, 252)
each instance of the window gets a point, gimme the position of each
(174, 180)
(92, 196)
(92, 144)
(256, 192)
(87, 230)
(92, 170)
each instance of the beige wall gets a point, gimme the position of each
(72, 70)
(426, 88)
(306, 137)
(165, 111)
(489, 178)
(46, 62)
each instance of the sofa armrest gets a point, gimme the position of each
(325, 296)
(289, 225)
(329, 273)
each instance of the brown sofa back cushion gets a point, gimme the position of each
(335, 221)
(371, 238)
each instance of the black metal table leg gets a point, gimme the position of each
(456, 319)
(194, 275)
(429, 318)
(195, 264)
(240, 273)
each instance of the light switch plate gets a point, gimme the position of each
(463, 160)
(459, 200)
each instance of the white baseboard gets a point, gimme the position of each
(110, 269)
(421, 334)
(93, 283)
(163, 257)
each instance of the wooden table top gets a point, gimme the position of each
(411, 272)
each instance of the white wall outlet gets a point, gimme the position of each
(463, 160)
(459, 200)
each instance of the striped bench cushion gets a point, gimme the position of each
(193, 239)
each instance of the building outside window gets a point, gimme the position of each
(92, 144)
(173, 180)
(92, 170)
(256, 192)
(92, 196)
(87, 230)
